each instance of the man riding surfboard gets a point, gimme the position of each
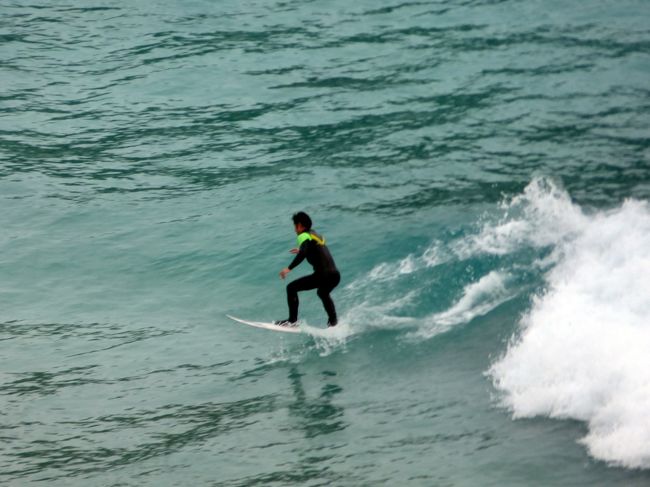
(311, 246)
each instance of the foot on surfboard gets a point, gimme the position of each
(285, 323)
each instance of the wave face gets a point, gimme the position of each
(453, 281)
(583, 348)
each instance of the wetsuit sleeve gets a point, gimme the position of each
(300, 256)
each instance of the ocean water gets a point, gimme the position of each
(480, 169)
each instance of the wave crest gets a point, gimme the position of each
(583, 349)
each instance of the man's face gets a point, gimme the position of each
(299, 228)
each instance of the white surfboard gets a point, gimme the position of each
(267, 326)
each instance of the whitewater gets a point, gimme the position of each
(581, 349)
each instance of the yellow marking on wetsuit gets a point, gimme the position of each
(319, 240)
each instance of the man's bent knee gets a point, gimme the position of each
(323, 293)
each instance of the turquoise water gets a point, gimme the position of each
(480, 169)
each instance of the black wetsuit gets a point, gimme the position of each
(325, 277)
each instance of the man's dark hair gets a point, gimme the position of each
(302, 218)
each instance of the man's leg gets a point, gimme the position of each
(324, 289)
(301, 284)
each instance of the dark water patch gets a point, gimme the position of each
(176, 427)
(640, 143)
(116, 335)
(463, 192)
(211, 123)
(433, 37)
(89, 9)
(543, 70)
(311, 414)
(458, 102)
(190, 45)
(359, 131)
(7, 38)
(368, 131)
(348, 82)
(583, 38)
(131, 337)
(87, 169)
(557, 133)
(262, 368)
(98, 331)
(195, 370)
(312, 472)
(609, 184)
(446, 438)
(47, 383)
(17, 329)
(315, 416)
(277, 71)
(197, 18)
(393, 8)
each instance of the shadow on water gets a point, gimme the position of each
(313, 417)
(134, 438)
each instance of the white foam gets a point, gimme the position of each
(382, 280)
(385, 271)
(357, 320)
(542, 216)
(584, 348)
(331, 339)
(366, 315)
(478, 299)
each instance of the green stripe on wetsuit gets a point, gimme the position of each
(302, 237)
(309, 236)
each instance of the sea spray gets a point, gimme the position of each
(583, 349)
(542, 216)
(478, 299)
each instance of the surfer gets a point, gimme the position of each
(311, 246)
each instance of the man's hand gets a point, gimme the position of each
(284, 272)
(294, 251)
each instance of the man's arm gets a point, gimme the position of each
(301, 253)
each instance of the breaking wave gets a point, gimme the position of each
(582, 352)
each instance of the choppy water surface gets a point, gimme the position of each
(480, 169)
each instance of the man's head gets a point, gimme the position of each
(302, 222)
